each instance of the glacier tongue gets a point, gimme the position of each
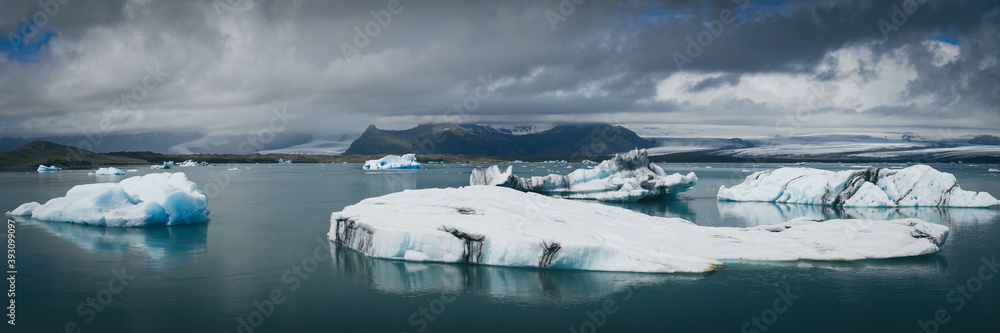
(495, 225)
(626, 177)
(915, 186)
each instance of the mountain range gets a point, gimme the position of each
(585, 140)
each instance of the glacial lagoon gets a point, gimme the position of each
(263, 264)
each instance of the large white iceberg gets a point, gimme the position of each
(153, 199)
(626, 177)
(408, 161)
(915, 186)
(109, 171)
(494, 225)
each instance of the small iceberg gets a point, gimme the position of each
(281, 161)
(110, 171)
(915, 186)
(408, 161)
(589, 162)
(493, 225)
(164, 166)
(132, 170)
(627, 177)
(150, 200)
(188, 163)
(43, 168)
(993, 170)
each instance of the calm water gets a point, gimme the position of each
(267, 232)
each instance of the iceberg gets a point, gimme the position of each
(408, 161)
(915, 186)
(165, 165)
(110, 171)
(282, 161)
(43, 168)
(627, 177)
(188, 163)
(150, 200)
(494, 225)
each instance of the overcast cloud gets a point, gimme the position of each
(221, 67)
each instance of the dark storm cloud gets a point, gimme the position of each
(715, 82)
(229, 62)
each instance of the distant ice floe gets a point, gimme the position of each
(166, 165)
(500, 226)
(915, 186)
(150, 200)
(188, 163)
(408, 161)
(107, 172)
(626, 177)
(43, 168)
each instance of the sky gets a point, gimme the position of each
(685, 68)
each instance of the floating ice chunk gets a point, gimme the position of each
(165, 165)
(494, 225)
(107, 172)
(188, 163)
(153, 199)
(408, 161)
(626, 177)
(43, 168)
(915, 186)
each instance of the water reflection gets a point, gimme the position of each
(665, 208)
(513, 284)
(925, 264)
(763, 213)
(160, 246)
(390, 181)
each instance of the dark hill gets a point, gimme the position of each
(985, 140)
(560, 141)
(44, 152)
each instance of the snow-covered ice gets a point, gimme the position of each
(915, 186)
(43, 168)
(153, 199)
(188, 163)
(494, 225)
(109, 171)
(408, 161)
(626, 177)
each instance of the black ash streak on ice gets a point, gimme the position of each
(473, 244)
(355, 235)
